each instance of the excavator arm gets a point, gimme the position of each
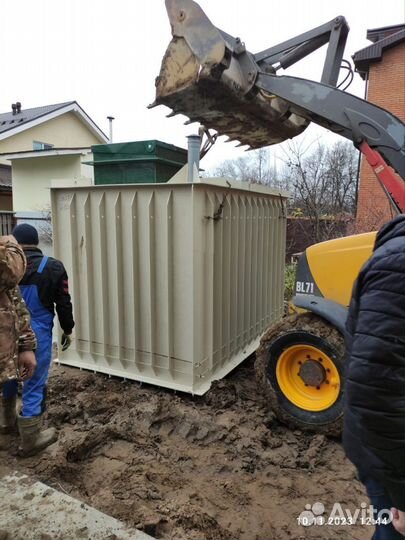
(209, 76)
(377, 133)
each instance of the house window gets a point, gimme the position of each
(37, 145)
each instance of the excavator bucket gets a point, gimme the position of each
(209, 76)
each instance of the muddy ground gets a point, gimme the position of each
(216, 467)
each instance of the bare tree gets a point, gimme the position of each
(321, 179)
(255, 167)
(323, 182)
(45, 226)
(371, 219)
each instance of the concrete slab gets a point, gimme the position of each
(33, 511)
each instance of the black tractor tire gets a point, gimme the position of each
(305, 328)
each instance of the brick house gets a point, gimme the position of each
(382, 66)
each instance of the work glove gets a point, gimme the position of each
(65, 341)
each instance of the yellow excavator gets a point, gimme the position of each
(210, 76)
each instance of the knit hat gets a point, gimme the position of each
(26, 234)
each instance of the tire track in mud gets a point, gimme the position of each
(217, 467)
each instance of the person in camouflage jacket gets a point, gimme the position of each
(17, 340)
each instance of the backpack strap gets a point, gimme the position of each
(43, 264)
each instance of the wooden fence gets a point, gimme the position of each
(7, 222)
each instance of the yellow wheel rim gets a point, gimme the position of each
(291, 366)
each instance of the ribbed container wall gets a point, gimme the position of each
(172, 284)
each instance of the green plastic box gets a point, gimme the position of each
(140, 162)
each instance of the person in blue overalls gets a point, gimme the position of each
(44, 286)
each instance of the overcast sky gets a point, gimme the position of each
(105, 54)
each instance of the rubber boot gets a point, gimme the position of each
(33, 440)
(8, 415)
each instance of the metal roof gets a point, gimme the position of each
(11, 124)
(374, 52)
(9, 120)
(376, 34)
(50, 152)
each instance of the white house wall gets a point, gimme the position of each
(32, 178)
(65, 131)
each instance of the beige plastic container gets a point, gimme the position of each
(172, 284)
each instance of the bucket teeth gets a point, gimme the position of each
(192, 90)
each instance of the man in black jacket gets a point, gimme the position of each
(374, 425)
(44, 286)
